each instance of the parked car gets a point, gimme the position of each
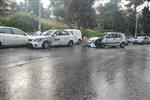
(142, 40)
(111, 39)
(131, 39)
(12, 36)
(77, 34)
(51, 38)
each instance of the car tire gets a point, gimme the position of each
(102, 45)
(70, 43)
(46, 45)
(0, 44)
(122, 45)
(79, 42)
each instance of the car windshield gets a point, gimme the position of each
(102, 35)
(140, 37)
(46, 33)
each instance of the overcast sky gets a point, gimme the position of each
(98, 2)
(45, 2)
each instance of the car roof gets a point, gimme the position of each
(5, 27)
(72, 29)
(113, 32)
(141, 36)
(8, 27)
(55, 30)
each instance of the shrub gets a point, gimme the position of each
(29, 23)
(4, 21)
(23, 21)
(91, 33)
(148, 34)
(46, 25)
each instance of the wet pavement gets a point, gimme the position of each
(75, 73)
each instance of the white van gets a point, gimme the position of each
(51, 38)
(77, 34)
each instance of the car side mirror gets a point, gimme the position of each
(25, 34)
(54, 35)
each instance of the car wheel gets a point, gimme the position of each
(102, 45)
(70, 43)
(79, 42)
(45, 45)
(0, 44)
(122, 45)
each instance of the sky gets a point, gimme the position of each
(98, 2)
(45, 2)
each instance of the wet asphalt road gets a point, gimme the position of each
(75, 73)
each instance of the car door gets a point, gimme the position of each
(21, 37)
(146, 39)
(118, 38)
(57, 38)
(66, 37)
(6, 36)
(110, 39)
(74, 34)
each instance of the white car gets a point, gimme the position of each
(131, 39)
(111, 39)
(51, 38)
(142, 40)
(77, 34)
(12, 36)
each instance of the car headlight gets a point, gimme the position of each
(38, 40)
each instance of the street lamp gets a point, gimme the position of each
(39, 15)
(136, 25)
(136, 22)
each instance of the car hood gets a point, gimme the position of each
(94, 38)
(37, 37)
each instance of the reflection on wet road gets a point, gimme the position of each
(75, 74)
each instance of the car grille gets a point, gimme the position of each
(29, 40)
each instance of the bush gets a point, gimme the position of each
(23, 21)
(91, 33)
(46, 25)
(4, 21)
(29, 23)
(148, 34)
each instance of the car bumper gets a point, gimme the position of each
(34, 44)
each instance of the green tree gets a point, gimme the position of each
(145, 20)
(111, 15)
(59, 10)
(132, 13)
(75, 12)
(32, 6)
(2, 7)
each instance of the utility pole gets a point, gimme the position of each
(136, 18)
(136, 25)
(39, 15)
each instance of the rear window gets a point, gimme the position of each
(5, 31)
(18, 31)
